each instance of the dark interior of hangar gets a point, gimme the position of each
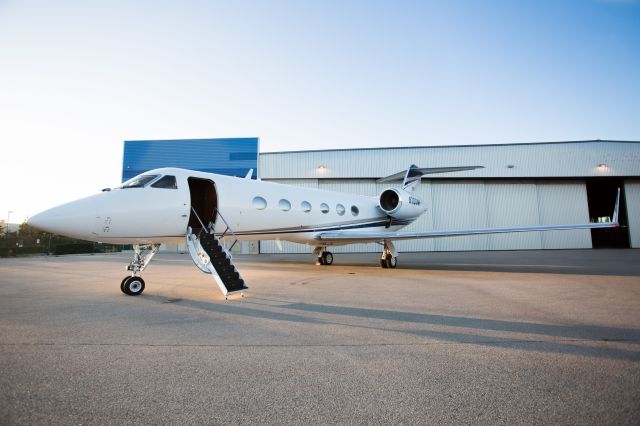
(601, 195)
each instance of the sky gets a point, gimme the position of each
(77, 78)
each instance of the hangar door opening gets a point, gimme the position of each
(601, 196)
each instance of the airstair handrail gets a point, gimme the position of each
(198, 217)
(228, 227)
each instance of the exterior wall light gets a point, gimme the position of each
(322, 169)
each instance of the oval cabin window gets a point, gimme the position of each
(259, 203)
(354, 211)
(324, 208)
(340, 209)
(305, 206)
(284, 205)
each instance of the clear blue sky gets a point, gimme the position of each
(77, 78)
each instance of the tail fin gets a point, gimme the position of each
(412, 177)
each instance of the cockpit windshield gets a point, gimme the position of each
(138, 181)
(167, 182)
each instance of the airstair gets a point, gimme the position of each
(211, 257)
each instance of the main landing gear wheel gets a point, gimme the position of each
(133, 286)
(326, 258)
(389, 262)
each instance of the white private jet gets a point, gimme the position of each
(168, 205)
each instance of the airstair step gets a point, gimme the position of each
(211, 248)
(229, 276)
(221, 255)
(236, 285)
(225, 269)
(221, 262)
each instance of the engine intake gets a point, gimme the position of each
(400, 204)
(389, 200)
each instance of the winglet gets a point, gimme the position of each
(616, 210)
(249, 174)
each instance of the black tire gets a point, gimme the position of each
(133, 286)
(327, 256)
(392, 262)
(383, 263)
(122, 289)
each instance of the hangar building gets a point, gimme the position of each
(520, 185)
(223, 156)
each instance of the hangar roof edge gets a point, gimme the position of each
(453, 146)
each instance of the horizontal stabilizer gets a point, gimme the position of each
(420, 171)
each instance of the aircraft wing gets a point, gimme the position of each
(350, 236)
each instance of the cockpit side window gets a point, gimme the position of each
(168, 182)
(138, 181)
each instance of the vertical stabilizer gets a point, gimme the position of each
(412, 177)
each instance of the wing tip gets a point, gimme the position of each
(616, 210)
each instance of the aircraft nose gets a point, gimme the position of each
(74, 219)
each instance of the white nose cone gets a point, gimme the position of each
(75, 219)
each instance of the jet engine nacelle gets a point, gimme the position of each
(400, 204)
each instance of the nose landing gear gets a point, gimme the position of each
(133, 285)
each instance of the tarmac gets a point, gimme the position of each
(525, 337)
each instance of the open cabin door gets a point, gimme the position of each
(204, 203)
(207, 253)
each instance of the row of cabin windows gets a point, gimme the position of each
(259, 203)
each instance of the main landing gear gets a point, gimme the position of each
(133, 285)
(389, 257)
(324, 257)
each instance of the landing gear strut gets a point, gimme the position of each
(324, 257)
(389, 257)
(133, 285)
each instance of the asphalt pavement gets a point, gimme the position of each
(525, 337)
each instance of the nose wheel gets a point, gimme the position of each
(132, 286)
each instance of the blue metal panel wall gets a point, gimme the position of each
(228, 156)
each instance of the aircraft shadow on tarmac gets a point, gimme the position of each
(568, 339)
(624, 262)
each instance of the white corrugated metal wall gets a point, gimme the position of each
(512, 188)
(460, 204)
(632, 200)
(530, 161)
